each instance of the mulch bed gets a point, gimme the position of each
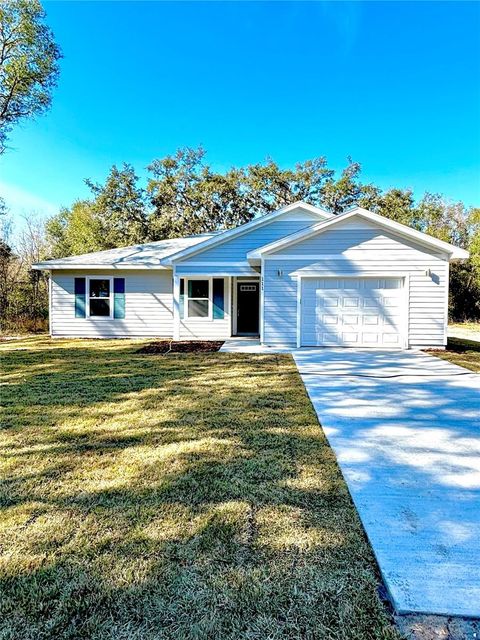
(182, 346)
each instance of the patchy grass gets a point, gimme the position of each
(465, 353)
(173, 497)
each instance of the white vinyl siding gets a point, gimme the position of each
(148, 306)
(359, 251)
(236, 249)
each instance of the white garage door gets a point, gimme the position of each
(352, 312)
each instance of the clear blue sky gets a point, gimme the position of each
(394, 85)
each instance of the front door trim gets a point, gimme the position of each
(236, 282)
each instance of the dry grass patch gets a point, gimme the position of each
(182, 496)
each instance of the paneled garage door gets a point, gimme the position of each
(356, 312)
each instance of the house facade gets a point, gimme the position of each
(300, 276)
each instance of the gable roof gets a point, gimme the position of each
(139, 256)
(455, 253)
(223, 236)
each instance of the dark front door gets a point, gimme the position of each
(248, 307)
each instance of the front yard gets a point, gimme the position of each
(179, 496)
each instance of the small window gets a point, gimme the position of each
(198, 301)
(99, 297)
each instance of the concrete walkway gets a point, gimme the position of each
(465, 334)
(250, 345)
(405, 427)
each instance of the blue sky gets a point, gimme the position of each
(394, 85)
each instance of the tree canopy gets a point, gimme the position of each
(115, 216)
(29, 66)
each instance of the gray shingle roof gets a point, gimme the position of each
(142, 255)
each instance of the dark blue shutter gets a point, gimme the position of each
(80, 298)
(119, 298)
(182, 297)
(218, 297)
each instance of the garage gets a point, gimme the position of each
(353, 312)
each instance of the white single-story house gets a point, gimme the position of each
(299, 276)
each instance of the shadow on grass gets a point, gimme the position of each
(460, 345)
(188, 496)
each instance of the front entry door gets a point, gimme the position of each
(248, 308)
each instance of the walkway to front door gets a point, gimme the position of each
(248, 308)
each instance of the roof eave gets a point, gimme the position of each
(56, 266)
(453, 252)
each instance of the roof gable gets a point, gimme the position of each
(297, 211)
(398, 229)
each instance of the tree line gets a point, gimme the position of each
(183, 195)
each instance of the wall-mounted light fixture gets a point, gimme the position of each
(279, 273)
(428, 273)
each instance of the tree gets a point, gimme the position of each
(396, 204)
(28, 63)
(7, 267)
(120, 209)
(189, 197)
(73, 231)
(115, 217)
(269, 187)
(23, 292)
(464, 303)
(339, 195)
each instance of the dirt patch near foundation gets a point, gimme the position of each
(181, 346)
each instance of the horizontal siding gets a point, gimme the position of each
(205, 330)
(427, 308)
(148, 306)
(341, 240)
(235, 250)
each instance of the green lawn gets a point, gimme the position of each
(180, 496)
(465, 353)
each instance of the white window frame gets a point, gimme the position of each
(186, 299)
(110, 297)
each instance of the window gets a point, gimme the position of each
(99, 297)
(198, 299)
(202, 298)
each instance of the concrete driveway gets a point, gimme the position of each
(405, 427)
